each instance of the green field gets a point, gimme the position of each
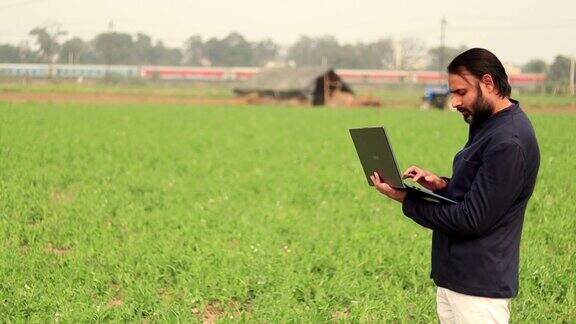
(165, 213)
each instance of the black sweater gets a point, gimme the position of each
(475, 244)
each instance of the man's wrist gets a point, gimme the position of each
(445, 182)
(401, 196)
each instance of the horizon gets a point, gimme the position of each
(349, 23)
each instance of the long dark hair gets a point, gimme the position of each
(478, 62)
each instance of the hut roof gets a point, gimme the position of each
(301, 79)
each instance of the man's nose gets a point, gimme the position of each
(455, 101)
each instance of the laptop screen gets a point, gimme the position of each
(375, 153)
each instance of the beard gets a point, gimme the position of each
(481, 109)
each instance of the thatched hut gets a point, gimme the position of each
(313, 85)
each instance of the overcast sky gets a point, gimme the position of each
(515, 31)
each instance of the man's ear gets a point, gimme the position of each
(488, 83)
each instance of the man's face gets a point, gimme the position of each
(467, 97)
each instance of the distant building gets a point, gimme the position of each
(315, 85)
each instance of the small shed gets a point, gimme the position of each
(315, 85)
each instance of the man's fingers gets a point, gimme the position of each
(378, 181)
(410, 170)
(385, 186)
(375, 178)
(417, 176)
(381, 186)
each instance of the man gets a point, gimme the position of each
(475, 244)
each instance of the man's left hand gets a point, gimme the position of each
(386, 189)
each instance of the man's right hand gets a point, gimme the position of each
(425, 178)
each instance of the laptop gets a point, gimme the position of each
(376, 155)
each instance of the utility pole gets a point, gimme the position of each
(111, 26)
(398, 55)
(572, 76)
(441, 49)
(108, 49)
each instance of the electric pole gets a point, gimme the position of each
(107, 55)
(572, 76)
(441, 49)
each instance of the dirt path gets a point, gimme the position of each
(92, 98)
(119, 98)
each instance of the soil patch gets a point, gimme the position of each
(120, 98)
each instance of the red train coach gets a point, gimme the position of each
(348, 75)
(183, 73)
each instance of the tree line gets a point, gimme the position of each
(114, 48)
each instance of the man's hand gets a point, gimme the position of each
(425, 178)
(385, 189)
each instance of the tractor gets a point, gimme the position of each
(436, 97)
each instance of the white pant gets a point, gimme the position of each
(458, 308)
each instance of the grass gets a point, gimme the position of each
(165, 213)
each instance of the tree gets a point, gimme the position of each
(75, 51)
(352, 56)
(301, 52)
(378, 55)
(194, 51)
(27, 55)
(142, 50)
(314, 51)
(232, 50)
(449, 54)
(411, 54)
(113, 48)
(9, 54)
(264, 52)
(535, 66)
(47, 40)
(560, 69)
(161, 55)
